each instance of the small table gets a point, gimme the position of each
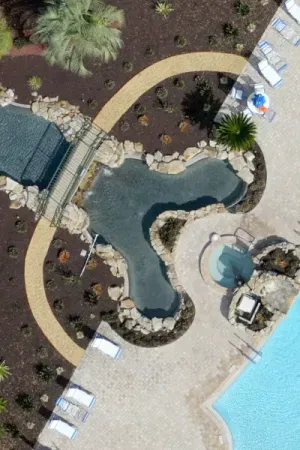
(253, 108)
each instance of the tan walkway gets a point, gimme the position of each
(34, 282)
(114, 109)
(106, 119)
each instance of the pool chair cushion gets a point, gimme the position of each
(106, 346)
(81, 396)
(269, 73)
(293, 9)
(63, 427)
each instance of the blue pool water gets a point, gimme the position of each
(262, 407)
(229, 261)
(123, 204)
(30, 147)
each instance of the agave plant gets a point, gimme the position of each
(3, 404)
(4, 371)
(6, 41)
(236, 131)
(74, 30)
(163, 9)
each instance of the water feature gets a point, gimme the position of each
(261, 408)
(30, 146)
(125, 202)
(229, 263)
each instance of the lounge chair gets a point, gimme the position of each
(286, 31)
(259, 88)
(75, 392)
(248, 113)
(106, 346)
(272, 56)
(63, 427)
(237, 94)
(293, 9)
(269, 73)
(72, 410)
(269, 115)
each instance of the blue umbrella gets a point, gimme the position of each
(259, 100)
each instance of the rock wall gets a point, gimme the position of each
(7, 96)
(19, 195)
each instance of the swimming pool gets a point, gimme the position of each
(123, 204)
(262, 407)
(228, 262)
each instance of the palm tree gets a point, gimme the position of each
(3, 404)
(74, 30)
(4, 371)
(236, 131)
(6, 41)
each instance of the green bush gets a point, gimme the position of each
(230, 30)
(25, 401)
(181, 41)
(236, 131)
(169, 232)
(4, 371)
(6, 41)
(163, 8)
(44, 372)
(35, 83)
(242, 8)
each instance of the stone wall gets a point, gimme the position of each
(7, 96)
(19, 195)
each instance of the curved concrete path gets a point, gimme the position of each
(36, 295)
(112, 111)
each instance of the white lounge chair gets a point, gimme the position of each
(106, 346)
(293, 9)
(75, 392)
(269, 73)
(237, 94)
(72, 410)
(286, 31)
(63, 427)
(272, 56)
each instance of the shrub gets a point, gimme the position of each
(57, 243)
(63, 256)
(144, 120)
(35, 83)
(127, 66)
(51, 285)
(6, 41)
(44, 372)
(11, 429)
(13, 251)
(97, 289)
(110, 84)
(21, 42)
(149, 51)
(90, 298)
(140, 109)
(230, 30)
(3, 405)
(161, 92)
(203, 85)
(75, 31)
(21, 226)
(251, 27)
(184, 126)
(70, 278)
(165, 139)
(4, 371)
(92, 103)
(124, 126)
(179, 83)
(212, 40)
(181, 41)
(26, 330)
(42, 352)
(58, 304)
(163, 8)
(50, 266)
(76, 322)
(279, 261)
(239, 47)
(236, 131)
(169, 232)
(92, 264)
(169, 108)
(24, 401)
(242, 8)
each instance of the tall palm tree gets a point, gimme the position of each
(74, 30)
(236, 131)
(4, 371)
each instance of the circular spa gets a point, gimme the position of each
(226, 262)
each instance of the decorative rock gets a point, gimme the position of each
(10, 184)
(135, 314)
(92, 316)
(145, 323)
(79, 335)
(44, 398)
(75, 219)
(127, 303)
(115, 292)
(129, 324)
(249, 156)
(169, 323)
(129, 147)
(32, 197)
(202, 144)
(246, 175)
(222, 155)
(15, 204)
(149, 159)
(59, 370)
(2, 182)
(212, 143)
(157, 324)
(238, 163)
(173, 167)
(158, 156)
(138, 147)
(144, 331)
(251, 166)
(30, 425)
(190, 152)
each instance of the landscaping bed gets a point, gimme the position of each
(147, 38)
(77, 302)
(23, 345)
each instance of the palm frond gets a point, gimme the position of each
(236, 131)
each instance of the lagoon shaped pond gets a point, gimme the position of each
(124, 202)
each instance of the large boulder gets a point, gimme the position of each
(171, 168)
(75, 219)
(279, 293)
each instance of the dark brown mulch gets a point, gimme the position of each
(20, 351)
(193, 19)
(255, 189)
(186, 103)
(73, 297)
(154, 339)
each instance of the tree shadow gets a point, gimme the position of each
(88, 332)
(62, 381)
(45, 412)
(225, 87)
(225, 302)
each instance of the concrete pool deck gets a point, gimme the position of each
(152, 398)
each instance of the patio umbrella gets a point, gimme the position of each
(259, 100)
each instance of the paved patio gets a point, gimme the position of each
(152, 398)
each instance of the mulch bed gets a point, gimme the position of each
(181, 106)
(22, 342)
(144, 30)
(68, 297)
